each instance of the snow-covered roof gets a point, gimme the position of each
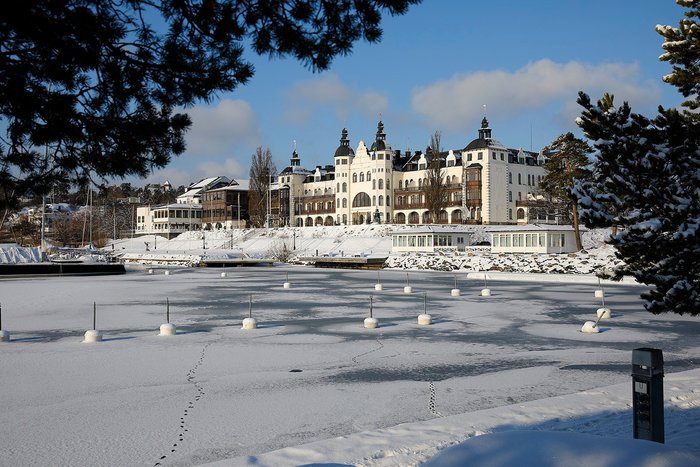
(178, 206)
(532, 228)
(235, 185)
(432, 229)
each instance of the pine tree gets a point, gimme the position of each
(646, 179)
(568, 162)
(94, 89)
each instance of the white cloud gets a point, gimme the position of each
(304, 98)
(456, 103)
(217, 131)
(230, 168)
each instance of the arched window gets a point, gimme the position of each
(338, 188)
(345, 202)
(420, 182)
(381, 184)
(510, 177)
(345, 187)
(374, 184)
(374, 200)
(369, 176)
(381, 200)
(354, 178)
(338, 202)
(361, 200)
(388, 200)
(362, 177)
(388, 185)
(400, 184)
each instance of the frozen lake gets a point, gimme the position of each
(310, 372)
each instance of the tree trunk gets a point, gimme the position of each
(574, 222)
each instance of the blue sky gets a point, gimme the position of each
(435, 69)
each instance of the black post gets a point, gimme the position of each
(250, 307)
(94, 315)
(648, 394)
(0, 315)
(167, 310)
(370, 306)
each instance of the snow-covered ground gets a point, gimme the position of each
(311, 385)
(364, 240)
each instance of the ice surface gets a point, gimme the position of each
(311, 373)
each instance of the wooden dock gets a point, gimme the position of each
(233, 263)
(61, 268)
(345, 262)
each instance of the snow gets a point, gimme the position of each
(11, 253)
(499, 379)
(311, 385)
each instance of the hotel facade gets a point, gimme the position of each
(485, 183)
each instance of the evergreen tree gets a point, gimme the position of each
(92, 88)
(646, 179)
(568, 161)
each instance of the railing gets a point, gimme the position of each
(309, 212)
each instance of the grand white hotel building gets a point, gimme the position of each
(486, 182)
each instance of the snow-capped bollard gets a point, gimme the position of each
(424, 319)
(371, 323)
(223, 274)
(599, 293)
(167, 272)
(590, 327)
(378, 285)
(485, 292)
(407, 288)
(150, 271)
(92, 335)
(249, 323)
(286, 283)
(4, 335)
(455, 292)
(604, 313)
(167, 329)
